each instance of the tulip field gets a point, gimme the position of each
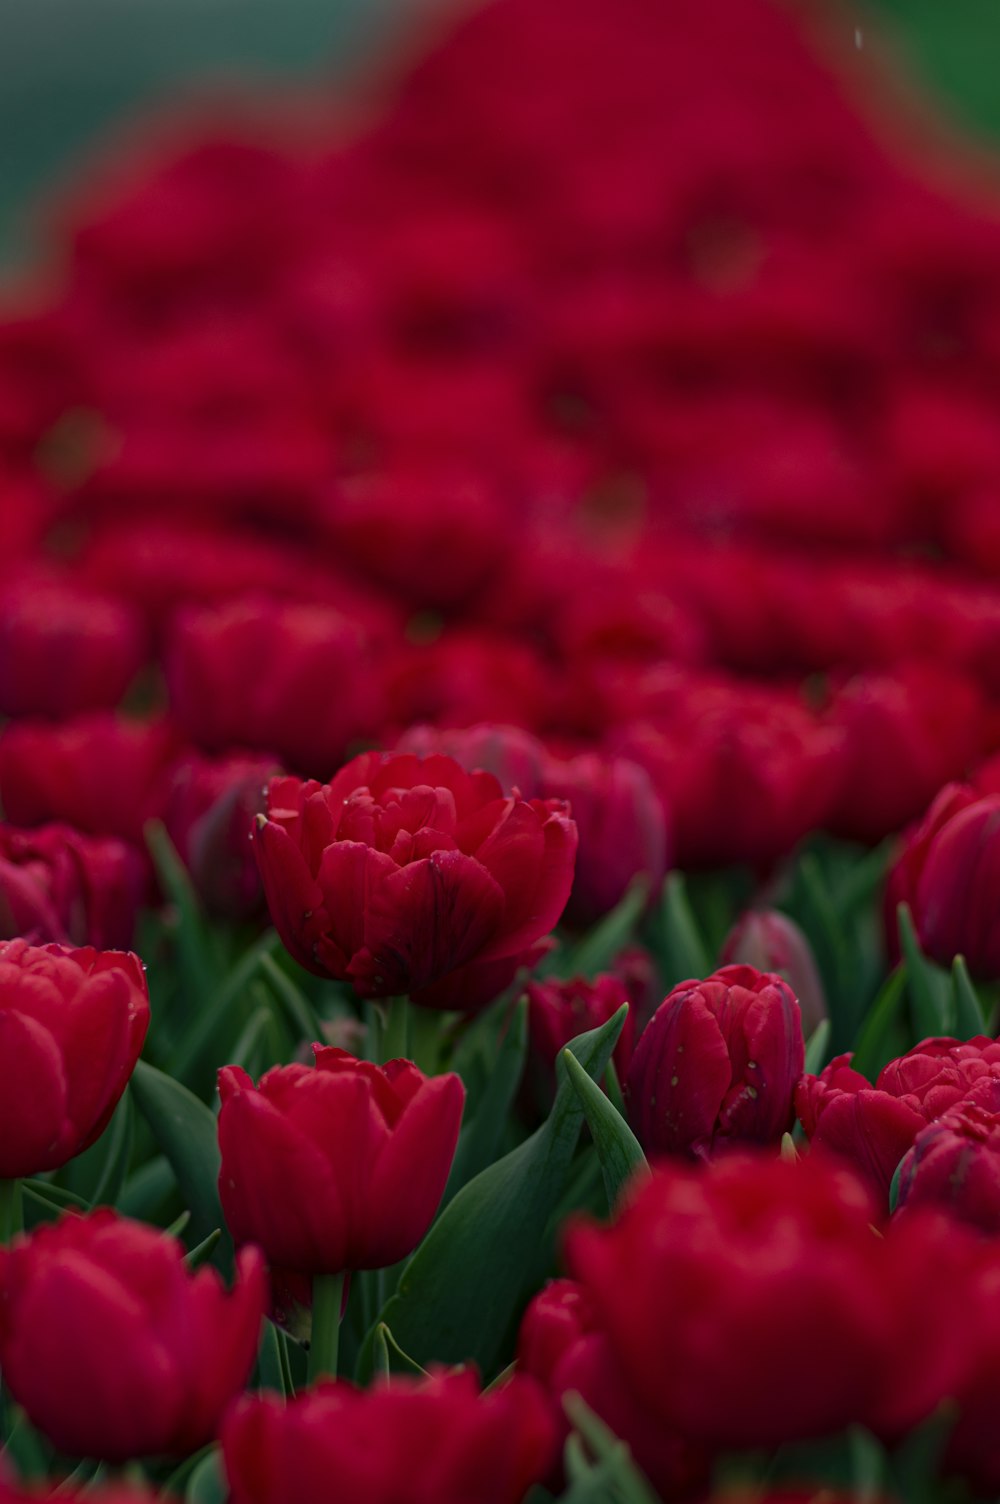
(500, 787)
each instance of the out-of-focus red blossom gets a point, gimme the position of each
(338, 1166)
(58, 885)
(955, 1161)
(746, 1256)
(768, 940)
(905, 735)
(744, 772)
(949, 873)
(431, 536)
(513, 756)
(874, 1126)
(291, 680)
(561, 1345)
(72, 1025)
(113, 1347)
(466, 675)
(114, 1493)
(560, 1010)
(411, 875)
(102, 773)
(717, 1065)
(432, 1441)
(209, 813)
(63, 650)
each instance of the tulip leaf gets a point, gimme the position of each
(617, 1147)
(390, 1357)
(120, 1136)
(867, 1460)
(296, 1006)
(894, 1184)
(477, 1146)
(195, 951)
(619, 1476)
(204, 1250)
(204, 1040)
(207, 1483)
(967, 1020)
(874, 1045)
(915, 1465)
(926, 985)
(55, 1195)
(462, 1289)
(24, 1446)
(816, 1049)
(245, 1051)
(609, 936)
(683, 953)
(185, 1131)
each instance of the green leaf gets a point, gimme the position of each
(873, 1048)
(926, 985)
(54, 1195)
(608, 937)
(967, 1014)
(391, 1357)
(462, 1289)
(617, 1147)
(205, 1039)
(915, 1465)
(198, 962)
(204, 1250)
(612, 1454)
(120, 1137)
(244, 1051)
(683, 953)
(207, 1483)
(298, 1009)
(894, 1186)
(185, 1131)
(817, 1047)
(477, 1146)
(867, 1465)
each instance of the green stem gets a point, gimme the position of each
(11, 1216)
(425, 1039)
(328, 1290)
(395, 1044)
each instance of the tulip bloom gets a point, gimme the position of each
(59, 886)
(430, 1441)
(952, 881)
(874, 1126)
(717, 1064)
(72, 1025)
(411, 875)
(955, 1161)
(209, 814)
(113, 1347)
(337, 1167)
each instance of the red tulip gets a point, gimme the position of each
(717, 1064)
(770, 941)
(209, 813)
(432, 1441)
(955, 1161)
(58, 885)
(560, 1010)
(72, 1025)
(410, 875)
(113, 1347)
(337, 1167)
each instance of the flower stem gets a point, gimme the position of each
(396, 1033)
(11, 1217)
(328, 1290)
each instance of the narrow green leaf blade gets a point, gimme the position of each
(185, 1131)
(873, 1048)
(927, 987)
(617, 1147)
(683, 953)
(967, 1020)
(609, 936)
(477, 1146)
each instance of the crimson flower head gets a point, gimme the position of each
(209, 814)
(429, 1441)
(60, 886)
(72, 1025)
(410, 875)
(955, 1161)
(341, 1166)
(717, 1064)
(113, 1347)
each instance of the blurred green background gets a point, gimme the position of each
(74, 73)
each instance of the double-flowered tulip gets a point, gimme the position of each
(432, 1441)
(113, 1347)
(717, 1064)
(72, 1025)
(410, 875)
(338, 1166)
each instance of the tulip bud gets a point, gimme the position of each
(113, 1347)
(769, 941)
(57, 885)
(210, 810)
(958, 889)
(560, 1010)
(717, 1065)
(72, 1025)
(336, 1167)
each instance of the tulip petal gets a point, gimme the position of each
(35, 1133)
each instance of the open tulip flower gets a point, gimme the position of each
(410, 875)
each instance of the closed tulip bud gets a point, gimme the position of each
(955, 1161)
(430, 1441)
(57, 885)
(211, 806)
(717, 1065)
(338, 1166)
(113, 1347)
(560, 1010)
(958, 889)
(769, 941)
(873, 1126)
(72, 1025)
(411, 875)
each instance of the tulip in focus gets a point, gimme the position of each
(335, 1167)
(955, 1161)
(72, 1025)
(430, 1441)
(409, 875)
(717, 1065)
(113, 1347)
